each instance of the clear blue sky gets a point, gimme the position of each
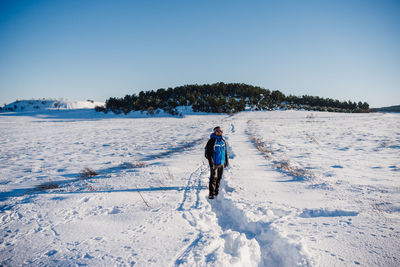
(81, 49)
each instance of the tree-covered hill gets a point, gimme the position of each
(224, 98)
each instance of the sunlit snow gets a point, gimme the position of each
(303, 189)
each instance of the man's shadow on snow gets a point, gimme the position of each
(34, 191)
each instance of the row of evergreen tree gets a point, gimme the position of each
(224, 98)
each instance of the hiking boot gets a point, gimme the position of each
(210, 197)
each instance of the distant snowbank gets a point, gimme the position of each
(82, 110)
(49, 104)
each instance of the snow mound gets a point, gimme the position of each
(245, 235)
(48, 104)
(244, 252)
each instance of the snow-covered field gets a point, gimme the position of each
(308, 189)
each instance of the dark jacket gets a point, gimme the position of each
(209, 151)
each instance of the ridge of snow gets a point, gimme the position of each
(49, 104)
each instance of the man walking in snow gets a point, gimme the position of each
(217, 155)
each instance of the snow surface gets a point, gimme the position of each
(303, 189)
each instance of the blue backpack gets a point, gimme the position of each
(219, 151)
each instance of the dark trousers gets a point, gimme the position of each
(215, 179)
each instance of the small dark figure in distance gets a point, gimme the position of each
(217, 154)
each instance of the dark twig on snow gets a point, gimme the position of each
(142, 198)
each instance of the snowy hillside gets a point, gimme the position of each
(303, 189)
(46, 104)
